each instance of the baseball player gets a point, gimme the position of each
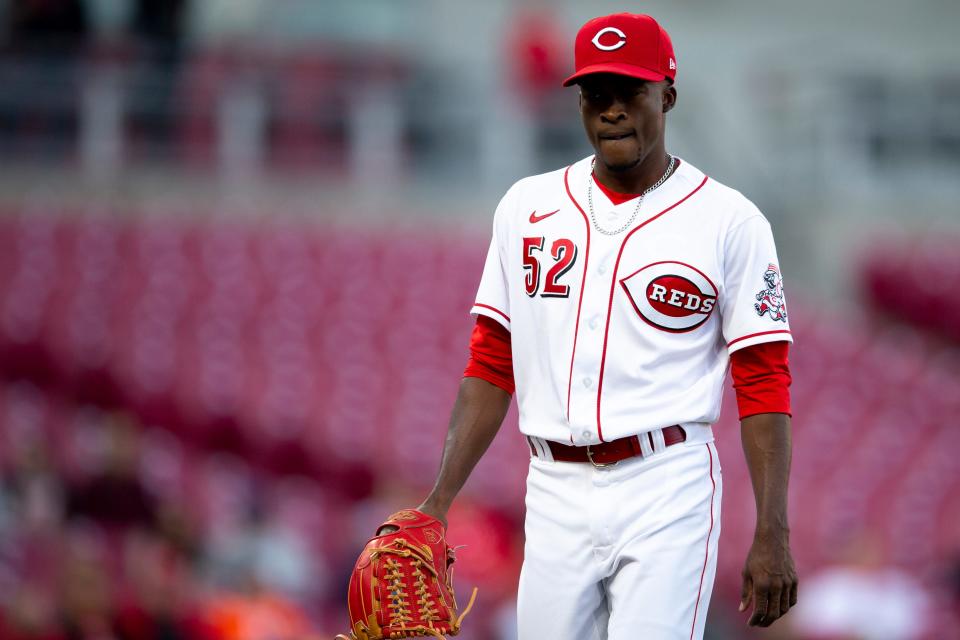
(616, 294)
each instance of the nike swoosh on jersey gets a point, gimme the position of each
(534, 218)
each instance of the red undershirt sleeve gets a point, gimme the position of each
(491, 357)
(761, 378)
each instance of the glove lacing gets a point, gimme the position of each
(398, 605)
(428, 607)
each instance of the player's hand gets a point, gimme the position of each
(769, 580)
(426, 507)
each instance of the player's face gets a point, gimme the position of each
(624, 117)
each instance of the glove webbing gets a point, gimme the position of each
(399, 607)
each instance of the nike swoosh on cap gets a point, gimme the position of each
(534, 218)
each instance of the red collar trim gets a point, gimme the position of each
(616, 197)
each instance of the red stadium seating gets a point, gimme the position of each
(315, 353)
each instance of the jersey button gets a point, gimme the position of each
(602, 269)
(587, 382)
(586, 434)
(594, 322)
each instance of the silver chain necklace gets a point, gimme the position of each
(593, 216)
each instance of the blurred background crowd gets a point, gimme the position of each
(239, 240)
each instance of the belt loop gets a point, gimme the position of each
(645, 445)
(542, 447)
(659, 443)
(533, 449)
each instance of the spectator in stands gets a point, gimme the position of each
(31, 515)
(115, 497)
(263, 569)
(256, 615)
(263, 554)
(86, 589)
(537, 54)
(163, 601)
(30, 614)
(535, 57)
(862, 599)
(32, 493)
(180, 531)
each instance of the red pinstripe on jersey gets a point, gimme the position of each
(754, 335)
(706, 552)
(613, 285)
(486, 306)
(583, 281)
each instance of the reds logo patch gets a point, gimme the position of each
(671, 296)
(770, 301)
(612, 46)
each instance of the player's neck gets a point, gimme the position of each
(635, 180)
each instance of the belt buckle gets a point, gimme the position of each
(599, 465)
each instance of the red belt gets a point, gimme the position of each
(610, 453)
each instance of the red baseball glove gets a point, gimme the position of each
(402, 584)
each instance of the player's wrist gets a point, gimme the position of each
(771, 531)
(436, 507)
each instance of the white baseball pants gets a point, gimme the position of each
(628, 551)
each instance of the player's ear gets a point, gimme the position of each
(669, 96)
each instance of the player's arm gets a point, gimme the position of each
(476, 417)
(478, 412)
(769, 574)
(761, 377)
(487, 385)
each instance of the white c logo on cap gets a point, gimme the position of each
(612, 47)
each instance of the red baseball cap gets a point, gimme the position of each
(628, 44)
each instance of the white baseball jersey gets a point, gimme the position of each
(616, 335)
